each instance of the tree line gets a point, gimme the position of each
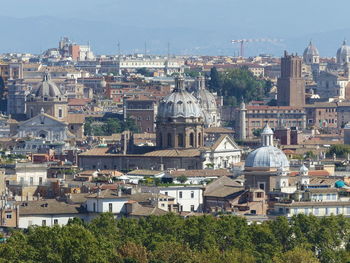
(238, 83)
(173, 239)
(108, 126)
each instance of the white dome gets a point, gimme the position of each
(269, 157)
(48, 88)
(206, 99)
(311, 50)
(311, 54)
(343, 54)
(179, 103)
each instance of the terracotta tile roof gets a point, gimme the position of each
(174, 153)
(96, 152)
(201, 173)
(78, 102)
(75, 118)
(46, 207)
(145, 172)
(161, 153)
(223, 187)
(107, 194)
(138, 210)
(312, 173)
(218, 130)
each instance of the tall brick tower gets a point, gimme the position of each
(291, 85)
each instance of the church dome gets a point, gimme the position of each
(206, 99)
(343, 54)
(311, 50)
(48, 88)
(179, 103)
(311, 55)
(267, 156)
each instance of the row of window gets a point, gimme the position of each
(181, 194)
(324, 197)
(275, 111)
(180, 140)
(43, 222)
(317, 211)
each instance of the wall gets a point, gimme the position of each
(186, 201)
(29, 220)
(102, 205)
(128, 162)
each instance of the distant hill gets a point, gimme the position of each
(36, 34)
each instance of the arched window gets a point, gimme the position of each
(191, 139)
(180, 140)
(169, 140)
(199, 139)
(180, 106)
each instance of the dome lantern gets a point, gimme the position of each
(267, 136)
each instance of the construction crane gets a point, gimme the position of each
(243, 41)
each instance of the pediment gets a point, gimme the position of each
(44, 120)
(225, 143)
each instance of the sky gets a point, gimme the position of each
(190, 26)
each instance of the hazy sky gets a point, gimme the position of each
(304, 19)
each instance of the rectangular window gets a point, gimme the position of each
(8, 216)
(295, 211)
(348, 210)
(31, 180)
(262, 186)
(317, 211)
(166, 193)
(180, 194)
(43, 223)
(60, 113)
(55, 221)
(110, 207)
(192, 194)
(327, 211)
(306, 211)
(338, 211)
(192, 208)
(328, 196)
(94, 205)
